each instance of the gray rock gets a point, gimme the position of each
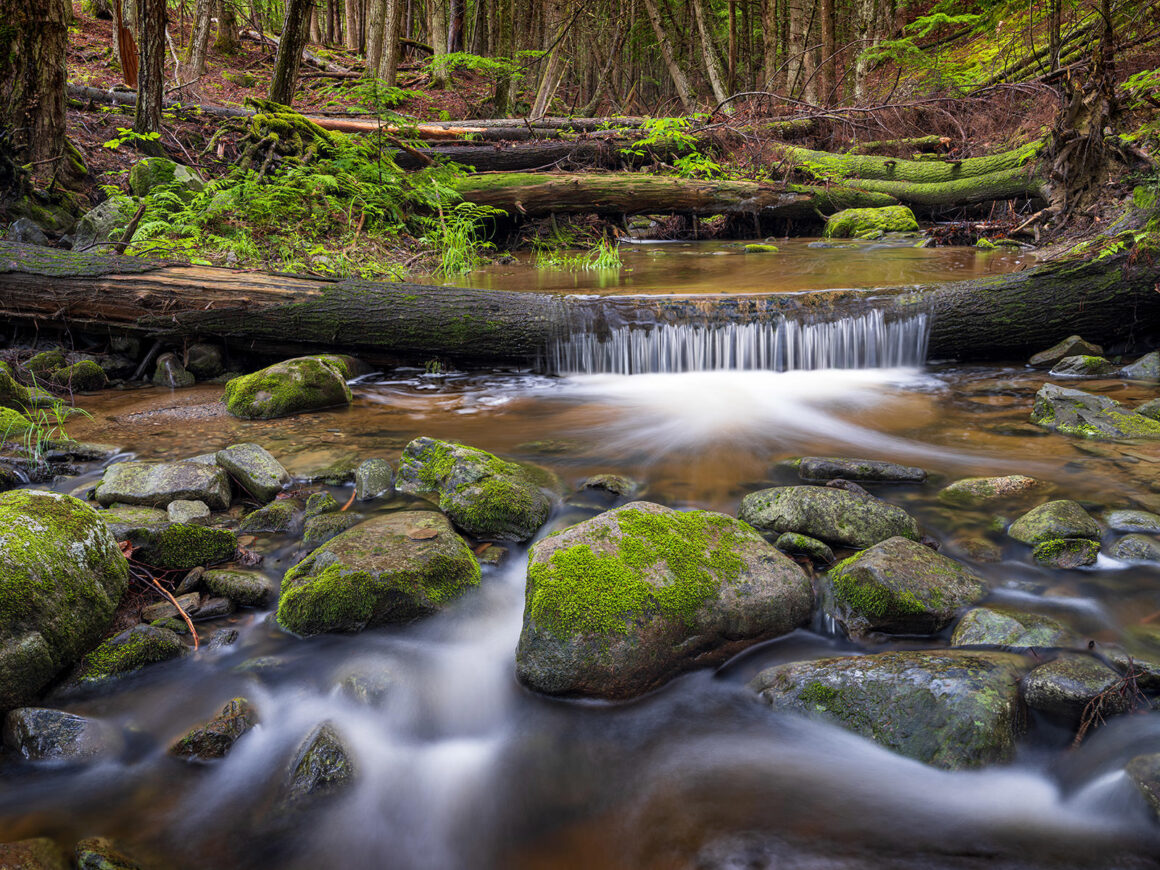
(976, 548)
(61, 578)
(792, 542)
(392, 568)
(123, 519)
(821, 469)
(26, 232)
(103, 224)
(486, 496)
(243, 588)
(204, 361)
(283, 515)
(190, 582)
(318, 503)
(1084, 366)
(291, 387)
(223, 637)
(952, 709)
(215, 739)
(188, 602)
(1151, 409)
(320, 529)
(1132, 521)
(186, 511)
(1059, 519)
(977, 491)
(40, 734)
(829, 514)
(1144, 771)
(1146, 368)
(374, 478)
(255, 470)
(1070, 346)
(625, 601)
(1005, 626)
(156, 484)
(902, 587)
(614, 484)
(126, 653)
(1066, 553)
(338, 473)
(323, 766)
(1084, 415)
(368, 684)
(1136, 548)
(171, 373)
(1064, 687)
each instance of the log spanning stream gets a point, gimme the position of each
(457, 766)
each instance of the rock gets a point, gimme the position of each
(826, 513)
(171, 373)
(283, 515)
(122, 519)
(204, 361)
(374, 478)
(951, 709)
(215, 608)
(13, 424)
(1054, 520)
(323, 766)
(870, 223)
(792, 542)
(165, 609)
(368, 684)
(85, 376)
(186, 511)
(40, 734)
(1084, 367)
(625, 601)
(1084, 415)
(242, 79)
(129, 651)
(99, 853)
(481, 493)
(45, 362)
(26, 232)
(1136, 548)
(156, 484)
(493, 555)
(615, 484)
(392, 568)
(103, 224)
(975, 548)
(244, 588)
(1146, 368)
(760, 249)
(302, 384)
(821, 469)
(1063, 687)
(977, 491)
(255, 469)
(338, 473)
(13, 395)
(1132, 521)
(318, 503)
(223, 637)
(38, 854)
(61, 578)
(1005, 626)
(153, 172)
(1151, 409)
(320, 529)
(181, 546)
(1144, 771)
(1070, 346)
(216, 738)
(1066, 554)
(902, 587)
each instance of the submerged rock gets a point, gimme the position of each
(1064, 687)
(615, 484)
(374, 478)
(255, 469)
(216, 738)
(821, 468)
(392, 568)
(952, 709)
(305, 383)
(129, 651)
(1071, 346)
(1059, 519)
(61, 578)
(1144, 771)
(1132, 521)
(41, 734)
(977, 491)
(486, 496)
(829, 514)
(156, 484)
(323, 766)
(1146, 368)
(1005, 626)
(1084, 366)
(1066, 553)
(1136, 548)
(870, 223)
(171, 373)
(1084, 415)
(623, 602)
(902, 587)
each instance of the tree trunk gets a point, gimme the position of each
(376, 35)
(151, 65)
(455, 26)
(684, 92)
(198, 40)
(102, 9)
(389, 65)
(505, 50)
(350, 24)
(769, 68)
(709, 52)
(827, 74)
(437, 18)
(227, 41)
(289, 56)
(554, 24)
(867, 32)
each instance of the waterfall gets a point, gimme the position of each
(863, 341)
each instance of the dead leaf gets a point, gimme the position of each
(421, 534)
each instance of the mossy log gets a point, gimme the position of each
(993, 318)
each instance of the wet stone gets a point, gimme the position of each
(1132, 521)
(1146, 368)
(320, 529)
(1004, 626)
(831, 515)
(1144, 771)
(1053, 520)
(792, 542)
(283, 515)
(318, 503)
(493, 555)
(976, 491)
(184, 511)
(373, 479)
(1084, 366)
(1085, 415)
(1136, 548)
(368, 685)
(1071, 346)
(323, 766)
(36, 854)
(100, 853)
(181, 546)
(165, 609)
(255, 470)
(820, 469)
(243, 588)
(614, 484)
(1065, 686)
(848, 486)
(1066, 554)
(41, 734)
(122, 519)
(976, 548)
(156, 484)
(204, 360)
(129, 651)
(216, 738)
(191, 582)
(223, 637)
(171, 373)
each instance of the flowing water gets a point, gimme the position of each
(459, 767)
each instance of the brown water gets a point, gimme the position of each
(461, 768)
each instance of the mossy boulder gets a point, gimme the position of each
(170, 373)
(792, 542)
(1085, 415)
(61, 578)
(1136, 548)
(40, 853)
(255, 469)
(1084, 366)
(323, 766)
(393, 568)
(13, 424)
(952, 709)
(318, 530)
(181, 546)
(1006, 626)
(1054, 520)
(823, 468)
(283, 515)
(154, 172)
(41, 734)
(42, 364)
(291, 387)
(215, 739)
(625, 601)
(1066, 553)
(836, 516)
(870, 223)
(104, 224)
(760, 248)
(1065, 686)
(374, 478)
(1073, 345)
(85, 376)
(1146, 368)
(13, 394)
(243, 588)
(156, 484)
(486, 496)
(902, 587)
(129, 651)
(978, 491)
(319, 503)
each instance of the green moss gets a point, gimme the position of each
(13, 424)
(12, 394)
(180, 546)
(304, 383)
(45, 362)
(130, 651)
(337, 599)
(578, 591)
(761, 249)
(872, 599)
(84, 376)
(865, 223)
(819, 695)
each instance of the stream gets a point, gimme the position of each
(458, 766)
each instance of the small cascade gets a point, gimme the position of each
(864, 341)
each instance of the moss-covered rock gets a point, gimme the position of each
(1066, 553)
(41, 365)
(952, 709)
(870, 223)
(302, 384)
(13, 394)
(614, 484)
(170, 373)
(1006, 626)
(204, 361)
(393, 568)
(792, 542)
(153, 172)
(122, 519)
(61, 578)
(283, 515)
(902, 587)
(827, 513)
(1064, 687)
(487, 496)
(1054, 520)
(756, 248)
(255, 469)
(1073, 345)
(129, 651)
(103, 224)
(100, 853)
(319, 503)
(13, 425)
(822, 468)
(322, 767)
(1084, 366)
(216, 738)
(623, 602)
(320, 529)
(181, 546)
(40, 853)
(1084, 415)
(374, 478)
(1127, 520)
(244, 588)
(156, 484)
(1136, 548)
(1146, 368)
(41, 734)
(85, 376)
(978, 491)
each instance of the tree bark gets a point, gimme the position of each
(227, 34)
(684, 91)
(198, 40)
(376, 36)
(289, 56)
(555, 21)
(709, 51)
(33, 40)
(389, 64)
(437, 22)
(151, 65)
(505, 50)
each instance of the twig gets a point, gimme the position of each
(172, 600)
(350, 500)
(131, 228)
